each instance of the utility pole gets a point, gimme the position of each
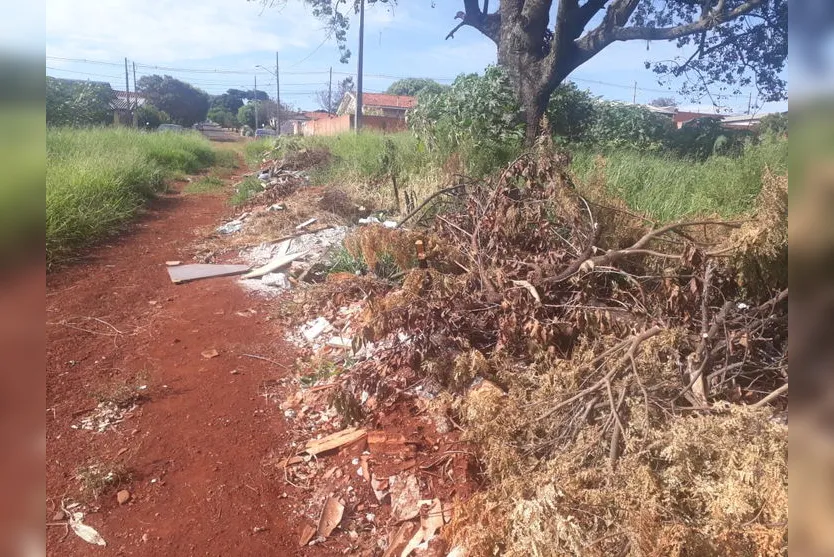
(330, 93)
(255, 100)
(634, 101)
(750, 103)
(277, 98)
(135, 90)
(358, 117)
(127, 92)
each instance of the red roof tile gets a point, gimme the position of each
(388, 101)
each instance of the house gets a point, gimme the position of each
(743, 121)
(123, 105)
(377, 104)
(681, 117)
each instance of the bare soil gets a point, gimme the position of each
(194, 447)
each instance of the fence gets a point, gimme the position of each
(344, 123)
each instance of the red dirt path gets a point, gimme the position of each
(203, 432)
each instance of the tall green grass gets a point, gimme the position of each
(668, 188)
(98, 178)
(663, 186)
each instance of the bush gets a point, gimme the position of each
(149, 117)
(77, 103)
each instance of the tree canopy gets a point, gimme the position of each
(184, 103)
(725, 45)
(78, 103)
(411, 86)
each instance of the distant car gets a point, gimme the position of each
(265, 132)
(169, 128)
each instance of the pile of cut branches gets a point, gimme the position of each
(613, 341)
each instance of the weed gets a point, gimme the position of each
(247, 188)
(205, 184)
(342, 261)
(97, 478)
(324, 371)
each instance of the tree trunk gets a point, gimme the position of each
(534, 103)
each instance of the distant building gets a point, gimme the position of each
(377, 104)
(124, 104)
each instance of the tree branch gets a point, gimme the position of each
(668, 33)
(612, 28)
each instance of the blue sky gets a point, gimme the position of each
(216, 45)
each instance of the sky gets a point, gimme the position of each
(219, 44)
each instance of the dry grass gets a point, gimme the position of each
(97, 479)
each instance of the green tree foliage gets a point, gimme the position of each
(776, 124)
(474, 109)
(149, 117)
(78, 103)
(411, 86)
(223, 117)
(230, 101)
(483, 109)
(618, 125)
(184, 103)
(266, 110)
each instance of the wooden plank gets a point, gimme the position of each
(274, 265)
(186, 273)
(334, 441)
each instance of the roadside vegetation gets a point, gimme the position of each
(98, 178)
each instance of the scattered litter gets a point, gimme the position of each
(195, 271)
(405, 493)
(274, 265)
(314, 328)
(173, 263)
(369, 220)
(278, 280)
(105, 415)
(123, 496)
(235, 372)
(331, 516)
(306, 223)
(263, 176)
(340, 342)
(276, 207)
(230, 227)
(307, 533)
(390, 224)
(209, 354)
(83, 531)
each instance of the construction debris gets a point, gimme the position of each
(405, 494)
(334, 441)
(305, 224)
(274, 265)
(331, 516)
(186, 273)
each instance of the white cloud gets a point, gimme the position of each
(158, 31)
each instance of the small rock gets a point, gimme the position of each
(123, 496)
(59, 516)
(235, 372)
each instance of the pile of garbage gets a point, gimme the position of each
(625, 381)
